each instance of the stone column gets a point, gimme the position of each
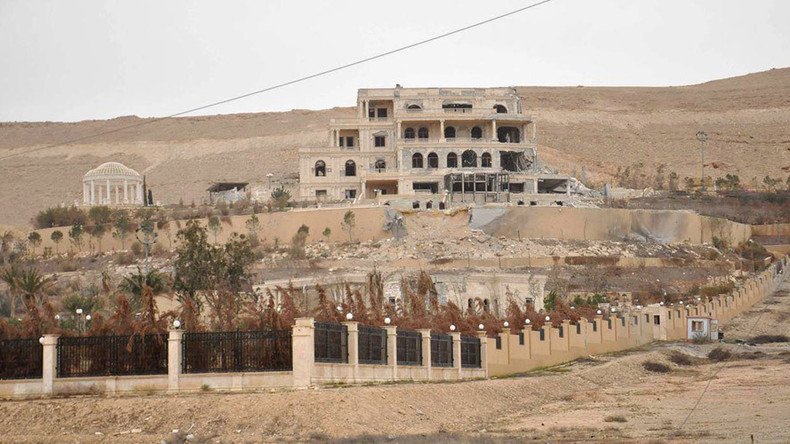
(493, 130)
(93, 192)
(140, 196)
(353, 347)
(426, 350)
(457, 353)
(50, 364)
(125, 191)
(441, 130)
(174, 338)
(392, 349)
(109, 196)
(303, 352)
(85, 193)
(483, 351)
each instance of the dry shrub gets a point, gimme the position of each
(768, 339)
(719, 354)
(680, 358)
(656, 367)
(615, 418)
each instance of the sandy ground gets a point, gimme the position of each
(602, 398)
(590, 129)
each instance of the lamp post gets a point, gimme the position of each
(702, 136)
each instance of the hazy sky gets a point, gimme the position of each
(96, 59)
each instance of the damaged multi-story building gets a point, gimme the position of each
(446, 145)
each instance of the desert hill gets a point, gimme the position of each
(597, 128)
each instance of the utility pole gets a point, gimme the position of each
(702, 136)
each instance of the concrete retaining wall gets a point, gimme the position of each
(666, 226)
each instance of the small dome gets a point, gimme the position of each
(112, 169)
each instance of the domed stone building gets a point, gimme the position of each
(112, 183)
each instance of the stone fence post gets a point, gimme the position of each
(50, 364)
(353, 347)
(303, 352)
(426, 350)
(483, 351)
(174, 359)
(457, 352)
(392, 349)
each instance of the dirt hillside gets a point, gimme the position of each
(598, 128)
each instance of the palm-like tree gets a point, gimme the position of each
(32, 284)
(10, 275)
(134, 284)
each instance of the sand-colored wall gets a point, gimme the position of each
(771, 230)
(625, 331)
(278, 225)
(607, 224)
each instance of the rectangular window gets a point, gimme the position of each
(542, 334)
(498, 343)
(349, 141)
(380, 141)
(521, 338)
(382, 112)
(560, 330)
(351, 194)
(657, 319)
(372, 112)
(578, 329)
(595, 325)
(647, 318)
(341, 141)
(697, 326)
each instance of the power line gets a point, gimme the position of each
(288, 83)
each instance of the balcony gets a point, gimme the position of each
(464, 141)
(459, 114)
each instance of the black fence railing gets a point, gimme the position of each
(409, 347)
(331, 342)
(112, 355)
(372, 345)
(20, 358)
(236, 351)
(470, 352)
(441, 350)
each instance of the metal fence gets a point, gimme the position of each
(470, 352)
(372, 345)
(441, 350)
(331, 342)
(236, 351)
(112, 355)
(20, 358)
(409, 347)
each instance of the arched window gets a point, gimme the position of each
(422, 133)
(409, 133)
(351, 168)
(414, 106)
(320, 168)
(449, 132)
(477, 133)
(416, 160)
(469, 159)
(500, 109)
(433, 160)
(485, 160)
(452, 160)
(508, 134)
(380, 165)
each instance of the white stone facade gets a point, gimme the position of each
(112, 184)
